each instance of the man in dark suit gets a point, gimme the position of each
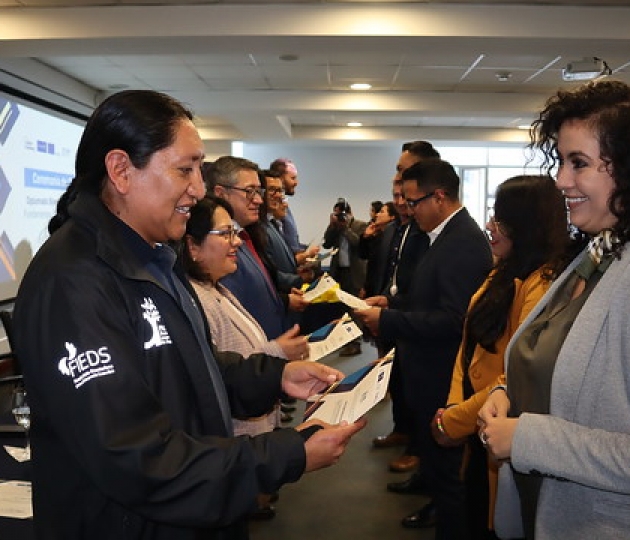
(404, 246)
(426, 325)
(237, 181)
(277, 248)
(289, 176)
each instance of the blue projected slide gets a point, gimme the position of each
(37, 153)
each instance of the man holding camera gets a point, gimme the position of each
(346, 267)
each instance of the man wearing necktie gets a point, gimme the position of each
(289, 177)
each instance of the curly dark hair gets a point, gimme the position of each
(605, 106)
(532, 214)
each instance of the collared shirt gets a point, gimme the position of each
(277, 223)
(436, 232)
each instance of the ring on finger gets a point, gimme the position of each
(483, 438)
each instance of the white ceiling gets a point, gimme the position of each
(433, 65)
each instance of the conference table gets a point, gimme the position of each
(11, 469)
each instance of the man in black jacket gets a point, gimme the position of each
(131, 430)
(405, 244)
(426, 325)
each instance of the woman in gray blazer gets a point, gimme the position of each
(562, 422)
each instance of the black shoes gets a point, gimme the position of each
(263, 513)
(413, 485)
(422, 519)
(390, 440)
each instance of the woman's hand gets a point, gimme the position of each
(497, 405)
(294, 345)
(498, 434)
(496, 430)
(439, 432)
(371, 230)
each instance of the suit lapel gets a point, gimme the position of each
(434, 249)
(280, 242)
(252, 262)
(579, 348)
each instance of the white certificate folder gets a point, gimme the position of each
(352, 397)
(332, 337)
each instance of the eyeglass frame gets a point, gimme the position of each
(275, 191)
(250, 192)
(497, 225)
(230, 234)
(412, 203)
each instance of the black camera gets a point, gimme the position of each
(342, 208)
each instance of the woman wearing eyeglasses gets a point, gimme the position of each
(209, 254)
(529, 236)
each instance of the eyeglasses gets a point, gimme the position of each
(275, 191)
(250, 192)
(230, 234)
(412, 203)
(496, 226)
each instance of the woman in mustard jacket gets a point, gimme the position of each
(529, 238)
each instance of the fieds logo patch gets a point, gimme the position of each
(152, 316)
(85, 366)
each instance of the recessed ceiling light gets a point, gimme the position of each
(523, 126)
(360, 86)
(503, 76)
(354, 124)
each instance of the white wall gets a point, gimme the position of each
(360, 174)
(363, 172)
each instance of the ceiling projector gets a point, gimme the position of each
(585, 69)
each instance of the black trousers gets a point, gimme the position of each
(402, 416)
(441, 467)
(477, 491)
